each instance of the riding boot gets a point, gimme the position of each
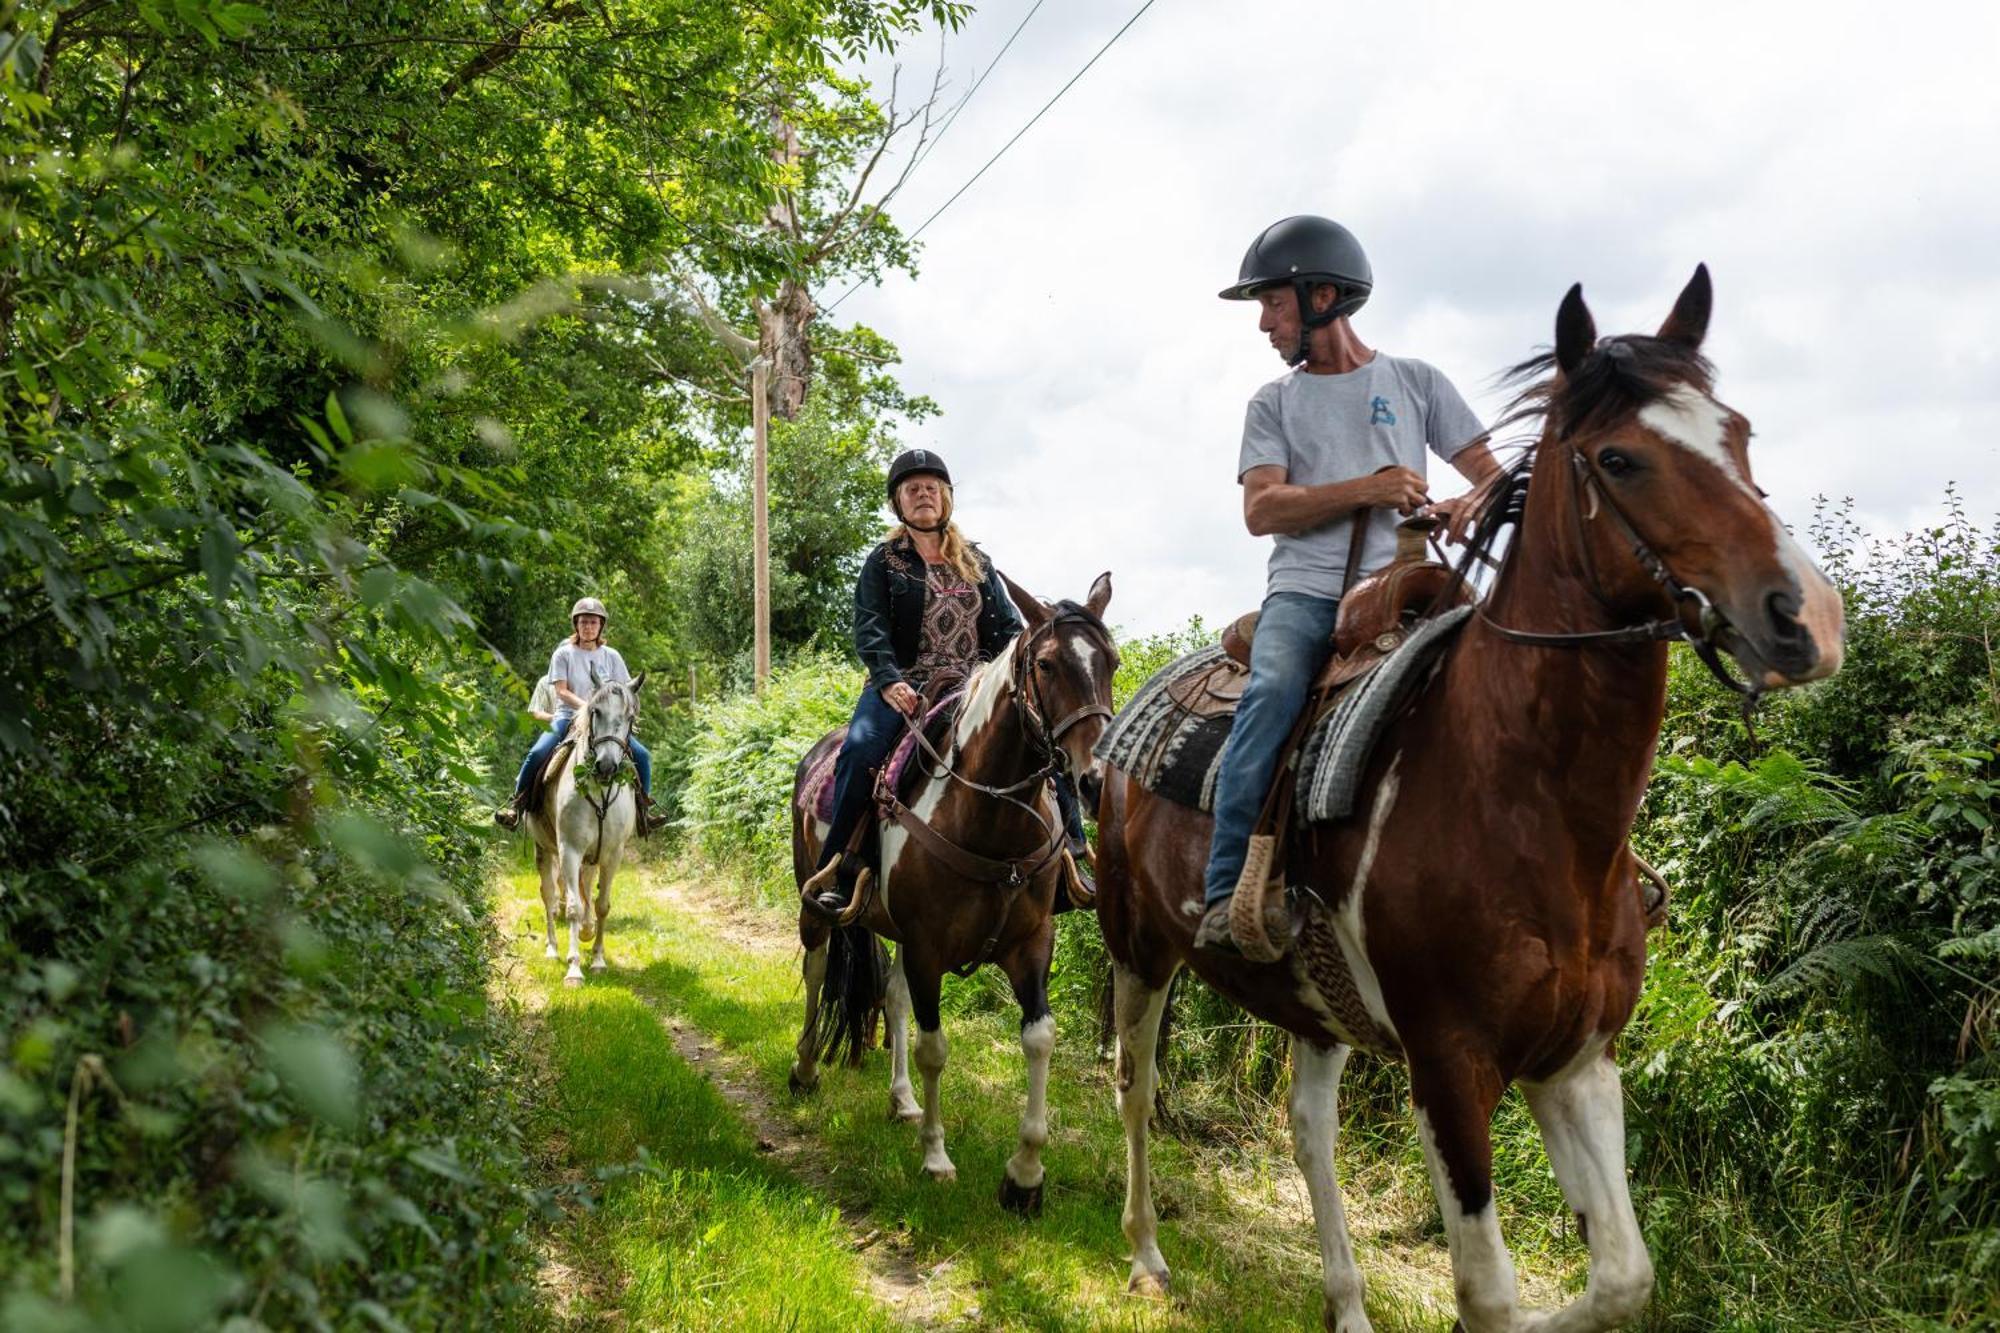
(1214, 933)
(651, 817)
(508, 816)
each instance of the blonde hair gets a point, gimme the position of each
(958, 552)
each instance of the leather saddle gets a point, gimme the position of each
(1376, 615)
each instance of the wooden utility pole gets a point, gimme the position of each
(760, 490)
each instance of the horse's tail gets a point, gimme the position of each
(854, 988)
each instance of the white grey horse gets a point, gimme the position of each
(586, 811)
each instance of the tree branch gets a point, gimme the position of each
(506, 48)
(742, 348)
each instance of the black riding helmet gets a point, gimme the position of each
(915, 463)
(1306, 251)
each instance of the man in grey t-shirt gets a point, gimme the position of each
(1347, 429)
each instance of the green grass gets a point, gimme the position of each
(1235, 1226)
(693, 1229)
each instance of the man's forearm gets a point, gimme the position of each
(1284, 508)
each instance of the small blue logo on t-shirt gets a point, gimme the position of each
(1383, 416)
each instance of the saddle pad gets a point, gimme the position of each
(1337, 748)
(1166, 746)
(816, 794)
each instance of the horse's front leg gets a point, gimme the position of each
(567, 876)
(1028, 972)
(1454, 1094)
(1136, 1008)
(545, 867)
(605, 870)
(1315, 1111)
(1582, 1115)
(896, 1017)
(924, 980)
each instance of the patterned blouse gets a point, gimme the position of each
(949, 643)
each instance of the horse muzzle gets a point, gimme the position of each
(1787, 636)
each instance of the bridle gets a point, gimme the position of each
(1709, 621)
(590, 743)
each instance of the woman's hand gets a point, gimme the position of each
(903, 699)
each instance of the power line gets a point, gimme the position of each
(952, 119)
(1136, 16)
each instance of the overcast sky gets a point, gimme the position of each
(1832, 162)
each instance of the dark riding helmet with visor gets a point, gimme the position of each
(915, 463)
(1305, 251)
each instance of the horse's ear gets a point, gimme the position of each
(1032, 609)
(1576, 331)
(1688, 323)
(638, 682)
(1100, 595)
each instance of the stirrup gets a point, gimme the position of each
(1081, 889)
(1262, 938)
(822, 883)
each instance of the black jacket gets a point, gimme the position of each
(889, 611)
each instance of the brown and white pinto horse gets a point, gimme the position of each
(1483, 899)
(1035, 709)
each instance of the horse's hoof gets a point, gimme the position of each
(905, 1115)
(799, 1087)
(943, 1175)
(552, 953)
(600, 966)
(1024, 1200)
(1152, 1285)
(573, 981)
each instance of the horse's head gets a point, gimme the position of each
(608, 717)
(1656, 473)
(1064, 662)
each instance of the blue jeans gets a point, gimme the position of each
(545, 744)
(1294, 639)
(871, 734)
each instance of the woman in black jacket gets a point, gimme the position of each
(928, 604)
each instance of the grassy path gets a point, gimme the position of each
(752, 1210)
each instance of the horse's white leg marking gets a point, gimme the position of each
(1347, 922)
(545, 865)
(805, 1074)
(1038, 1042)
(1137, 1011)
(931, 1048)
(896, 1017)
(571, 871)
(1482, 1271)
(605, 870)
(1582, 1115)
(1315, 1132)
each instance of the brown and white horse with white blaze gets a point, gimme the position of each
(1037, 708)
(1482, 898)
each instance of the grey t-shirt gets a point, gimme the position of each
(572, 665)
(1327, 428)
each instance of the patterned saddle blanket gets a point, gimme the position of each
(1170, 737)
(816, 792)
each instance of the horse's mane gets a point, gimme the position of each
(1617, 378)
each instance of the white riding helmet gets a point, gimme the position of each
(589, 606)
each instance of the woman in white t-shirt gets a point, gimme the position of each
(568, 677)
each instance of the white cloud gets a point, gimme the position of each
(1823, 158)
